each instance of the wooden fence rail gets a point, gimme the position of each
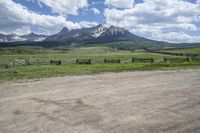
(142, 59)
(112, 61)
(3, 66)
(176, 59)
(196, 59)
(71, 61)
(55, 62)
(83, 61)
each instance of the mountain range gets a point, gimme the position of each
(96, 34)
(99, 35)
(32, 37)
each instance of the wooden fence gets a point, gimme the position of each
(18, 63)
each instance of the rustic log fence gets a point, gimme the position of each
(25, 62)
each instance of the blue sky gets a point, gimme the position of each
(165, 20)
(84, 14)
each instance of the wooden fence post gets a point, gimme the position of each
(119, 61)
(27, 62)
(152, 59)
(12, 63)
(6, 66)
(133, 59)
(76, 61)
(188, 59)
(89, 61)
(165, 59)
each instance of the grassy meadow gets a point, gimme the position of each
(186, 50)
(93, 53)
(82, 53)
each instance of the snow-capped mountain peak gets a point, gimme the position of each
(18, 38)
(99, 29)
(114, 30)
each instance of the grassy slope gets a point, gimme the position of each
(188, 50)
(127, 45)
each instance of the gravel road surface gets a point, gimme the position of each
(128, 102)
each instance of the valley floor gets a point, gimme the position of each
(147, 101)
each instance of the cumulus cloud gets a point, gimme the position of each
(164, 20)
(158, 18)
(175, 37)
(198, 1)
(87, 24)
(120, 3)
(64, 7)
(95, 10)
(15, 18)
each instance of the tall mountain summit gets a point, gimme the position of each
(97, 34)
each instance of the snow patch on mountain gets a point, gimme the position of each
(98, 31)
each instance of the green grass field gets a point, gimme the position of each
(188, 50)
(94, 53)
(83, 53)
(34, 72)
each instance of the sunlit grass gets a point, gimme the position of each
(32, 72)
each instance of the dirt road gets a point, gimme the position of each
(130, 102)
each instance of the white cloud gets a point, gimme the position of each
(15, 18)
(120, 3)
(64, 7)
(87, 24)
(175, 37)
(95, 10)
(198, 1)
(165, 20)
(158, 16)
